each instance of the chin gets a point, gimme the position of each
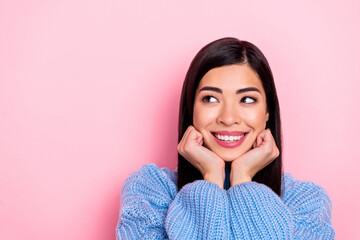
(229, 157)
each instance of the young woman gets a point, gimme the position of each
(229, 182)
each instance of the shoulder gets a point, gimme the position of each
(145, 198)
(292, 185)
(152, 171)
(299, 194)
(150, 179)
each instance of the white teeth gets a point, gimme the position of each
(228, 138)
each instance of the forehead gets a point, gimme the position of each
(231, 78)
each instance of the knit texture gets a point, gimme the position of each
(152, 208)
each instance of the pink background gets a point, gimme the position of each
(89, 92)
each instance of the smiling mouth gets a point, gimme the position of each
(229, 139)
(226, 138)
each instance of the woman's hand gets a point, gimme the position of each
(246, 166)
(211, 166)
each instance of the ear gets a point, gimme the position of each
(267, 116)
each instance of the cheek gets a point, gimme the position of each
(203, 117)
(197, 117)
(256, 119)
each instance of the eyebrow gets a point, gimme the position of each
(239, 91)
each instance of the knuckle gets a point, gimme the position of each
(179, 147)
(186, 148)
(276, 152)
(268, 149)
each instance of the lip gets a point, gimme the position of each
(229, 133)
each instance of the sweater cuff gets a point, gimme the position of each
(256, 204)
(252, 187)
(205, 190)
(256, 197)
(199, 211)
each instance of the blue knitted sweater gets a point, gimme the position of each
(152, 208)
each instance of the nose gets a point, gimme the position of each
(229, 115)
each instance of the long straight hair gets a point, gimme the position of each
(222, 52)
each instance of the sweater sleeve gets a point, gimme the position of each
(151, 208)
(311, 208)
(199, 211)
(303, 212)
(145, 198)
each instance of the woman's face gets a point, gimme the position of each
(230, 110)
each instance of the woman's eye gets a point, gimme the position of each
(209, 99)
(248, 100)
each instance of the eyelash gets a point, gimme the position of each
(243, 99)
(207, 99)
